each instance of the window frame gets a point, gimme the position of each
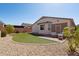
(42, 27)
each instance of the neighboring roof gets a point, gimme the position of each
(26, 24)
(77, 25)
(1, 22)
(16, 26)
(56, 18)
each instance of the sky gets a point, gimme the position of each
(16, 14)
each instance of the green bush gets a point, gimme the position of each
(10, 29)
(72, 36)
(3, 33)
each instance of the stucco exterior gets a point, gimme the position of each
(50, 20)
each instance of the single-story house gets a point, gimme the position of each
(1, 26)
(21, 29)
(45, 26)
(27, 27)
(51, 25)
(18, 28)
(24, 27)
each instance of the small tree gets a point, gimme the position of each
(77, 35)
(3, 33)
(9, 29)
(70, 35)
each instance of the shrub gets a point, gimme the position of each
(3, 33)
(10, 29)
(17, 31)
(72, 35)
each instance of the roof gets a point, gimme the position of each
(77, 25)
(71, 19)
(56, 17)
(26, 24)
(44, 22)
(1, 22)
(16, 26)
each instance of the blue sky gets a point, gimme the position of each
(29, 13)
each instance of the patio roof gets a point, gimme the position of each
(44, 22)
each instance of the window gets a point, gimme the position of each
(63, 25)
(53, 27)
(49, 26)
(41, 27)
(58, 28)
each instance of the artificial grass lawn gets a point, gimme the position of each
(29, 38)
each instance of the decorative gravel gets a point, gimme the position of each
(11, 48)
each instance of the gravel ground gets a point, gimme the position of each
(11, 48)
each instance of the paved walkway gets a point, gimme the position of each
(10, 48)
(54, 39)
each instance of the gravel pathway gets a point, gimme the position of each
(11, 48)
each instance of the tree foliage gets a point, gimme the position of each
(72, 35)
(9, 29)
(3, 33)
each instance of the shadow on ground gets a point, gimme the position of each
(73, 53)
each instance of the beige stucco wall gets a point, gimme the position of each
(36, 28)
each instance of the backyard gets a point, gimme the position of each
(22, 44)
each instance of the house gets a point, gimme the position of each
(1, 26)
(26, 24)
(27, 27)
(18, 28)
(45, 26)
(51, 25)
(21, 29)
